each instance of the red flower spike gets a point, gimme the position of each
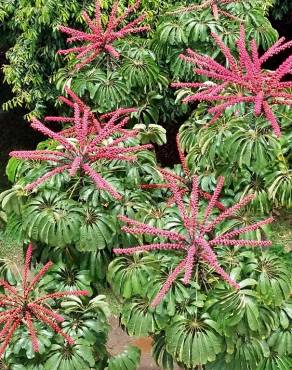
(6, 341)
(206, 4)
(197, 242)
(89, 144)
(99, 40)
(260, 87)
(27, 308)
(185, 181)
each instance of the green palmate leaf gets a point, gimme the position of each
(52, 218)
(34, 170)
(94, 197)
(245, 218)
(129, 276)
(133, 201)
(252, 147)
(151, 134)
(129, 359)
(209, 141)
(286, 314)
(156, 215)
(140, 72)
(188, 135)
(160, 354)
(274, 279)
(97, 306)
(76, 357)
(262, 31)
(256, 185)
(280, 187)
(198, 26)
(275, 362)
(234, 306)
(11, 168)
(269, 321)
(14, 228)
(88, 320)
(139, 320)
(172, 32)
(11, 256)
(280, 8)
(62, 277)
(193, 341)
(96, 230)
(97, 262)
(247, 355)
(178, 68)
(281, 342)
(12, 200)
(108, 89)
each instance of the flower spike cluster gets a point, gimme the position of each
(198, 241)
(185, 182)
(254, 84)
(71, 100)
(94, 124)
(80, 147)
(100, 40)
(22, 308)
(215, 6)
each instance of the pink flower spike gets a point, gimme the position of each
(246, 77)
(100, 182)
(37, 125)
(99, 40)
(196, 238)
(32, 332)
(75, 166)
(149, 247)
(47, 312)
(54, 326)
(189, 264)
(47, 176)
(8, 337)
(182, 157)
(243, 230)
(27, 266)
(88, 141)
(27, 309)
(167, 285)
(38, 277)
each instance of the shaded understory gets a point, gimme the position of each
(15, 132)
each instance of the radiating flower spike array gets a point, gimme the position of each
(19, 306)
(260, 87)
(185, 181)
(198, 241)
(215, 6)
(90, 144)
(98, 39)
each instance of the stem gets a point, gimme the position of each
(74, 187)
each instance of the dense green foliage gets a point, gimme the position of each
(205, 324)
(281, 9)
